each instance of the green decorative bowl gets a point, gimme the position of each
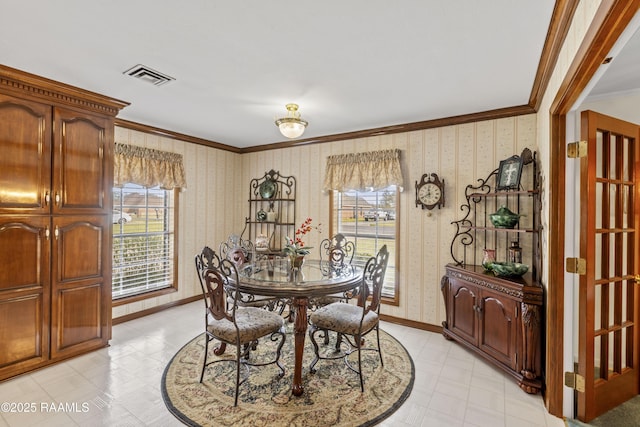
(504, 218)
(509, 269)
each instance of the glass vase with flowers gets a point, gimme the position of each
(295, 247)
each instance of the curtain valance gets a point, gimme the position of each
(148, 167)
(370, 171)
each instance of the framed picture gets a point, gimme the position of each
(509, 173)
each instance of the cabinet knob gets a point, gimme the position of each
(47, 198)
(57, 199)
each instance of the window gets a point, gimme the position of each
(143, 240)
(368, 218)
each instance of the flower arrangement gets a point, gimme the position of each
(295, 247)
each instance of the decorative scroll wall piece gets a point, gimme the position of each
(370, 171)
(148, 167)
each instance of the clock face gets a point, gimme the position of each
(429, 194)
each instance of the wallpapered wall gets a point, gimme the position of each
(458, 154)
(209, 209)
(215, 202)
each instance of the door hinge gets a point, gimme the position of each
(576, 265)
(577, 149)
(574, 380)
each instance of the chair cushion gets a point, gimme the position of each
(326, 300)
(343, 318)
(253, 323)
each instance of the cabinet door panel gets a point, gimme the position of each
(83, 178)
(24, 293)
(25, 163)
(81, 288)
(464, 299)
(498, 327)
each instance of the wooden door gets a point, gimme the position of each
(81, 284)
(82, 168)
(25, 162)
(609, 237)
(464, 303)
(498, 332)
(24, 293)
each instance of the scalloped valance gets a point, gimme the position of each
(370, 171)
(148, 167)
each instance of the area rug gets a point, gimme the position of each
(332, 395)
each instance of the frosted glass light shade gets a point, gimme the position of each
(291, 126)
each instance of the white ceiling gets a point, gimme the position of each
(350, 65)
(622, 74)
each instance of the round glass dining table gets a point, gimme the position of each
(274, 277)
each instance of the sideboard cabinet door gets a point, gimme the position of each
(25, 162)
(81, 287)
(82, 163)
(498, 327)
(24, 293)
(463, 301)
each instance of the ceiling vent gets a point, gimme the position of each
(147, 74)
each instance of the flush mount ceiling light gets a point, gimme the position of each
(291, 126)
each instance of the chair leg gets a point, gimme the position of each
(379, 349)
(338, 341)
(237, 373)
(206, 350)
(282, 334)
(316, 350)
(359, 344)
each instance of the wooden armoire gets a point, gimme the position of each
(56, 175)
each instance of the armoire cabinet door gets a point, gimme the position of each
(82, 165)
(24, 293)
(25, 159)
(464, 317)
(499, 327)
(81, 284)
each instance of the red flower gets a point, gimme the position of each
(295, 245)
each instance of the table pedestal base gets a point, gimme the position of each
(300, 333)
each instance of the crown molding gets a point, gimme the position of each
(23, 84)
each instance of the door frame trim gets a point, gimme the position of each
(609, 22)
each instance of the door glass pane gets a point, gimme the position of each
(596, 353)
(597, 315)
(613, 173)
(625, 162)
(599, 150)
(598, 212)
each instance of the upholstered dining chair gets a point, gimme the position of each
(353, 321)
(240, 251)
(336, 252)
(230, 323)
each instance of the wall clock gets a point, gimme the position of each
(430, 192)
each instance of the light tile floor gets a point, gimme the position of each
(120, 385)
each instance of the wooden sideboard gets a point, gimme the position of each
(56, 175)
(498, 319)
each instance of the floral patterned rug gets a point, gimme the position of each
(332, 395)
